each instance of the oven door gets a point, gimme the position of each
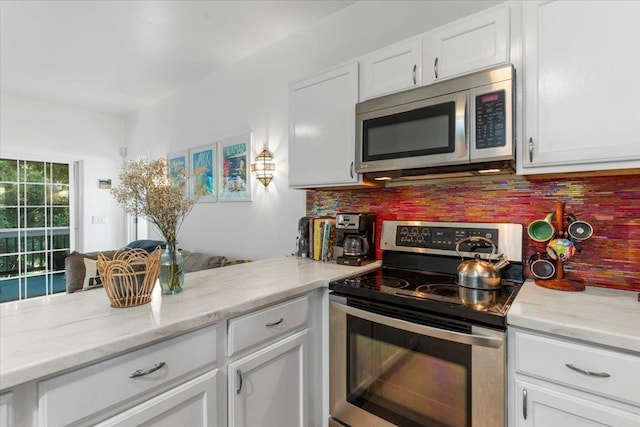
(385, 371)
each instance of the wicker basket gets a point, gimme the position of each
(129, 276)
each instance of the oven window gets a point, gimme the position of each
(424, 131)
(406, 378)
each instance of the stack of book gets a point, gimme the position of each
(322, 238)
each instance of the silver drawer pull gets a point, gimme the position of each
(590, 373)
(143, 372)
(239, 389)
(270, 324)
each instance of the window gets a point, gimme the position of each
(35, 227)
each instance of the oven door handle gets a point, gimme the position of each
(459, 337)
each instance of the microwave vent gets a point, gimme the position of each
(474, 170)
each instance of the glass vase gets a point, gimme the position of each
(171, 270)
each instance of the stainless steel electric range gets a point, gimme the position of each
(408, 345)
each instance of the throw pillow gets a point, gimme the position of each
(91, 277)
(147, 245)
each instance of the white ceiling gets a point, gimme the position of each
(119, 56)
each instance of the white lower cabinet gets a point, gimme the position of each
(560, 382)
(107, 388)
(267, 387)
(269, 372)
(167, 383)
(6, 409)
(549, 405)
(264, 368)
(190, 404)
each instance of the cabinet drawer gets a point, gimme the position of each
(260, 326)
(86, 391)
(603, 372)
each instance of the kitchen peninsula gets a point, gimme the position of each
(47, 336)
(55, 343)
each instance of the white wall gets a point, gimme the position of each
(42, 131)
(252, 96)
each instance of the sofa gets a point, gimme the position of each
(81, 268)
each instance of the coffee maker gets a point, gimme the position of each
(355, 234)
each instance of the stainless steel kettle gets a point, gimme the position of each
(477, 273)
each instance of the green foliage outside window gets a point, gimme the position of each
(34, 224)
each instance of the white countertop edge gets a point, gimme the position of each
(602, 316)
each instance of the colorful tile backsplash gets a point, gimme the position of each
(610, 258)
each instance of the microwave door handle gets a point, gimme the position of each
(462, 124)
(459, 337)
(467, 125)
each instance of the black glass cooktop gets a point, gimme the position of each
(431, 292)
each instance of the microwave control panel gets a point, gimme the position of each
(491, 120)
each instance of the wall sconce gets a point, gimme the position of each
(264, 167)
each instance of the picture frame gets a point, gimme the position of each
(235, 179)
(176, 161)
(203, 167)
(104, 184)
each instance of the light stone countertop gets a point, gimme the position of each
(46, 335)
(602, 316)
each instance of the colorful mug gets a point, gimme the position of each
(561, 249)
(541, 230)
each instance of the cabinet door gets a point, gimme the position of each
(191, 404)
(470, 44)
(6, 409)
(391, 69)
(267, 388)
(581, 85)
(322, 129)
(537, 406)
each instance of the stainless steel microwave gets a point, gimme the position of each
(463, 125)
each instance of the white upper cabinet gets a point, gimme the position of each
(469, 44)
(322, 129)
(581, 86)
(394, 68)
